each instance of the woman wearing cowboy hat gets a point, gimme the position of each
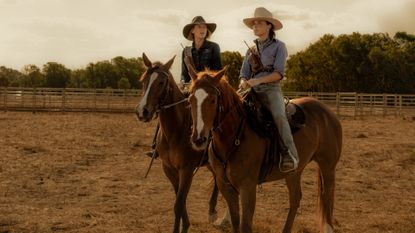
(203, 53)
(266, 79)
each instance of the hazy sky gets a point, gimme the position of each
(75, 32)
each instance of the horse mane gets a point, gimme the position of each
(229, 96)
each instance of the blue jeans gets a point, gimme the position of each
(270, 95)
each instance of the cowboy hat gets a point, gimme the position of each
(197, 20)
(263, 14)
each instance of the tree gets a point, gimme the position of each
(78, 79)
(56, 75)
(123, 83)
(32, 77)
(10, 77)
(131, 69)
(234, 62)
(356, 63)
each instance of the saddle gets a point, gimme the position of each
(261, 121)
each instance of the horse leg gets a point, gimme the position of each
(326, 183)
(173, 176)
(180, 210)
(232, 200)
(248, 200)
(213, 202)
(293, 182)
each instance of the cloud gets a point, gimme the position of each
(402, 19)
(164, 17)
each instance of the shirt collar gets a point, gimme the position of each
(262, 45)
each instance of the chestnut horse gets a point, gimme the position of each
(179, 159)
(236, 151)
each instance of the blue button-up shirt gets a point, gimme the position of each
(273, 55)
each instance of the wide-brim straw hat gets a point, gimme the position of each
(197, 20)
(263, 14)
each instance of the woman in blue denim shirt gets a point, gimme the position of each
(266, 80)
(202, 53)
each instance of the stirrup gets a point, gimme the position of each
(292, 160)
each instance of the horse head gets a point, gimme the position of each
(205, 104)
(156, 88)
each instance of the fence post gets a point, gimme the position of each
(63, 99)
(338, 103)
(355, 105)
(125, 101)
(400, 105)
(108, 99)
(5, 98)
(95, 99)
(384, 105)
(34, 99)
(372, 103)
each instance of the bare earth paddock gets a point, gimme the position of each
(83, 172)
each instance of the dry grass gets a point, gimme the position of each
(67, 172)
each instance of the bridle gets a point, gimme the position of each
(167, 89)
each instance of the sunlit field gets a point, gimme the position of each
(84, 172)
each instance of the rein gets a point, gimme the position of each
(174, 104)
(235, 145)
(168, 90)
(221, 119)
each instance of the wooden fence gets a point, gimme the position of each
(68, 99)
(115, 100)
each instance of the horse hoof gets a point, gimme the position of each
(221, 223)
(212, 218)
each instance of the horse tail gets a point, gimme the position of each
(325, 200)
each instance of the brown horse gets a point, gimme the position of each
(179, 159)
(236, 151)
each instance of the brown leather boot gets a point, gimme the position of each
(288, 162)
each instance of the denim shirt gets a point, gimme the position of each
(273, 55)
(207, 56)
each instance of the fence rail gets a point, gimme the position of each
(68, 99)
(116, 100)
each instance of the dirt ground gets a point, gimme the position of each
(83, 172)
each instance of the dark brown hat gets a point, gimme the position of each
(197, 20)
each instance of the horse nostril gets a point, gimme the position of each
(201, 140)
(145, 112)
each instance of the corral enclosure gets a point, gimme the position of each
(83, 172)
(118, 100)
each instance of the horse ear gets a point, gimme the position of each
(191, 70)
(147, 61)
(220, 74)
(167, 66)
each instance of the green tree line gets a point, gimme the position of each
(119, 72)
(375, 63)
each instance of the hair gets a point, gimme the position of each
(271, 33)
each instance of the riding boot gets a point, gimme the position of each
(151, 152)
(288, 161)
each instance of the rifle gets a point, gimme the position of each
(254, 60)
(188, 60)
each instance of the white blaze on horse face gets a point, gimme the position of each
(143, 101)
(200, 96)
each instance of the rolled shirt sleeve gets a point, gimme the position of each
(280, 58)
